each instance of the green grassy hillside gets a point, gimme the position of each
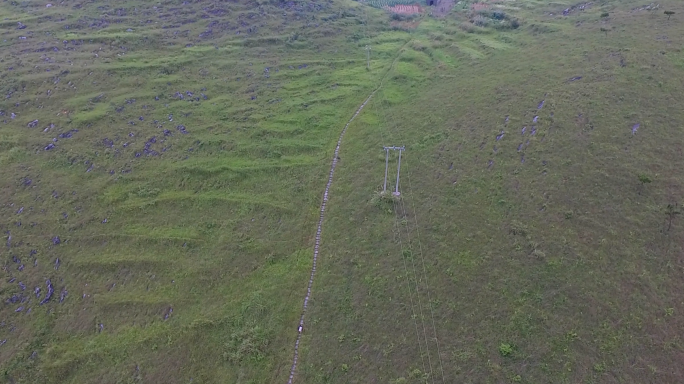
(162, 167)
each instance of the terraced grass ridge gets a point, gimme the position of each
(163, 166)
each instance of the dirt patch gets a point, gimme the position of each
(479, 6)
(405, 9)
(403, 16)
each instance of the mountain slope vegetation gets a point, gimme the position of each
(162, 167)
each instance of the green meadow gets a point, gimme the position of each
(163, 165)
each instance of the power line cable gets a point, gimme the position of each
(427, 285)
(427, 347)
(398, 230)
(413, 263)
(415, 276)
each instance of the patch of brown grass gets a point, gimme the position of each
(479, 6)
(405, 9)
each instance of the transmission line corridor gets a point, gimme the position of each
(417, 282)
(417, 286)
(319, 227)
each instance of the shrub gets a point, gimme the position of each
(480, 21)
(400, 17)
(507, 24)
(505, 349)
(384, 200)
(498, 15)
(644, 179)
(467, 27)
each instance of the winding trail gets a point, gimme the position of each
(318, 238)
(322, 215)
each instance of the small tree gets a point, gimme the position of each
(605, 14)
(669, 14)
(671, 211)
(644, 179)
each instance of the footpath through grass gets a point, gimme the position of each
(161, 168)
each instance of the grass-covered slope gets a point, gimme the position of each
(540, 257)
(177, 154)
(170, 187)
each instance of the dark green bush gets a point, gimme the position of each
(498, 15)
(399, 17)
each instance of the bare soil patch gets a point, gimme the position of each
(405, 9)
(479, 6)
